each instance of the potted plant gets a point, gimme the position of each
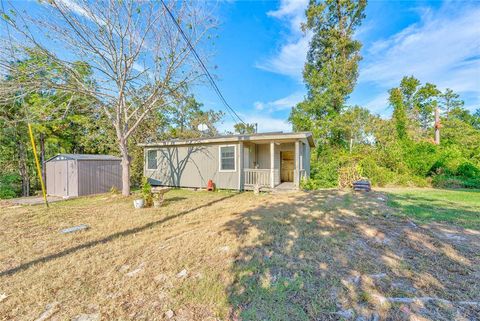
(147, 196)
(147, 192)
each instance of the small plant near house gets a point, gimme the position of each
(308, 184)
(147, 192)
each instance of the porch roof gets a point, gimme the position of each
(264, 137)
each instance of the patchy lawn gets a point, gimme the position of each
(459, 207)
(326, 255)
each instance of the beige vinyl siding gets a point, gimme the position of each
(98, 176)
(249, 155)
(192, 166)
(263, 156)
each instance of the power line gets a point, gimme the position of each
(209, 76)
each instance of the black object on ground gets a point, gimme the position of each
(362, 185)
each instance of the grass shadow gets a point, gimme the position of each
(107, 239)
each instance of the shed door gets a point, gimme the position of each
(286, 166)
(61, 176)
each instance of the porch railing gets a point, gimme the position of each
(260, 177)
(301, 174)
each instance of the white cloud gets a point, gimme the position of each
(379, 105)
(73, 6)
(258, 105)
(290, 58)
(263, 114)
(284, 103)
(442, 48)
(292, 11)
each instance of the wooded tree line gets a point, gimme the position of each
(64, 122)
(352, 142)
(100, 77)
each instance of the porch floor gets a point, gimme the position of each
(285, 187)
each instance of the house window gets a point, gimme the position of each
(227, 158)
(152, 159)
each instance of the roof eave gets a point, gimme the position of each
(301, 135)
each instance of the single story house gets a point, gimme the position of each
(232, 162)
(71, 175)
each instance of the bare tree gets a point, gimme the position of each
(138, 57)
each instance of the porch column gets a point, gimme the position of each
(296, 178)
(272, 164)
(241, 175)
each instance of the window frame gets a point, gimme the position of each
(156, 159)
(220, 159)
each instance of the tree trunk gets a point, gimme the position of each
(125, 167)
(23, 169)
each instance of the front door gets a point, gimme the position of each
(287, 165)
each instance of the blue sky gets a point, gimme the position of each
(261, 50)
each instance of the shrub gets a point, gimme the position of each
(420, 157)
(324, 170)
(10, 185)
(446, 181)
(468, 170)
(447, 162)
(147, 192)
(378, 175)
(308, 184)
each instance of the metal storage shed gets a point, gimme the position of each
(70, 175)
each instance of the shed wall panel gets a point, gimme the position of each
(72, 178)
(98, 176)
(50, 177)
(192, 166)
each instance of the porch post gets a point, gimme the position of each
(241, 175)
(272, 164)
(296, 178)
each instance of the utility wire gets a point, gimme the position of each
(207, 73)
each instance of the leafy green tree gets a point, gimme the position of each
(61, 121)
(449, 101)
(476, 119)
(399, 112)
(140, 57)
(187, 119)
(355, 125)
(331, 70)
(426, 102)
(413, 107)
(242, 128)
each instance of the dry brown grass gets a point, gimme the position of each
(299, 256)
